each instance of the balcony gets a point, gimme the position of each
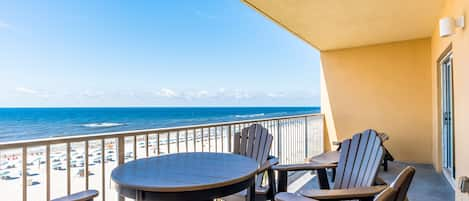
(58, 166)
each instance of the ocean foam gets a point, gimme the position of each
(102, 125)
(250, 115)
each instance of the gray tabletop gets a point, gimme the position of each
(184, 172)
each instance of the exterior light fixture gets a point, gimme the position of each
(449, 24)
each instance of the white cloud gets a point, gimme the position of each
(202, 93)
(240, 94)
(26, 90)
(4, 25)
(276, 95)
(164, 92)
(32, 92)
(91, 94)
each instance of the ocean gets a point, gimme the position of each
(33, 123)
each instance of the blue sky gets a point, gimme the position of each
(150, 53)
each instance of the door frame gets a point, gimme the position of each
(444, 57)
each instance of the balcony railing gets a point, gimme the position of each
(59, 166)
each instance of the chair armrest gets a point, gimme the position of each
(336, 143)
(268, 164)
(304, 166)
(327, 157)
(344, 194)
(380, 181)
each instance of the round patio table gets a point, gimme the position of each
(186, 176)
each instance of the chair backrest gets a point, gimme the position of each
(397, 191)
(402, 183)
(360, 158)
(254, 142)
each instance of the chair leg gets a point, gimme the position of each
(282, 181)
(385, 165)
(272, 187)
(333, 174)
(322, 179)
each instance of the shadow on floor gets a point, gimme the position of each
(427, 185)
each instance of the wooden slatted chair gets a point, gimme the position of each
(333, 156)
(397, 191)
(360, 158)
(87, 195)
(255, 142)
(400, 186)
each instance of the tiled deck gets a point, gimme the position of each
(426, 186)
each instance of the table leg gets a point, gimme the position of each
(251, 196)
(282, 181)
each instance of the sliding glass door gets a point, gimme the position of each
(447, 115)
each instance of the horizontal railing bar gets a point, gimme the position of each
(101, 136)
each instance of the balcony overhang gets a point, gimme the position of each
(338, 24)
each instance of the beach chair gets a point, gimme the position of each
(255, 142)
(359, 161)
(87, 195)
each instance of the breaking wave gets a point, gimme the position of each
(250, 115)
(102, 125)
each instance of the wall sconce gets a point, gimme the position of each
(448, 24)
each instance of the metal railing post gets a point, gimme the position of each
(103, 170)
(48, 172)
(120, 150)
(24, 173)
(69, 177)
(279, 141)
(306, 137)
(229, 138)
(85, 173)
(121, 157)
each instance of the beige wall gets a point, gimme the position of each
(460, 48)
(386, 87)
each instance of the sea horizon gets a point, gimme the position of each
(26, 123)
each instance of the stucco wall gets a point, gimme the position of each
(460, 48)
(386, 87)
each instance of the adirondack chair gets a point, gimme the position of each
(87, 195)
(397, 191)
(360, 158)
(333, 156)
(255, 142)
